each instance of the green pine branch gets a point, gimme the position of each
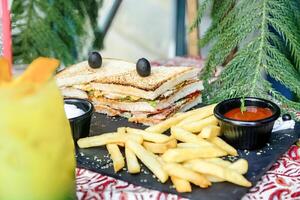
(51, 28)
(267, 35)
(219, 11)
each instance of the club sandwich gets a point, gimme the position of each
(116, 89)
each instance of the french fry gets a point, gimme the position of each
(172, 143)
(121, 144)
(108, 138)
(116, 156)
(179, 171)
(149, 160)
(197, 126)
(166, 124)
(132, 136)
(160, 147)
(186, 136)
(208, 111)
(184, 154)
(181, 185)
(121, 130)
(190, 145)
(155, 147)
(100, 140)
(172, 121)
(214, 179)
(152, 137)
(160, 160)
(211, 178)
(218, 171)
(132, 162)
(240, 166)
(218, 161)
(210, 132)
(223, 145)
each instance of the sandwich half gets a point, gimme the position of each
(116, 89)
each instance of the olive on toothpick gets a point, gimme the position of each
(143, 67)
(95, 59)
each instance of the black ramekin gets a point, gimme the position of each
(246, 134)
(80, 125)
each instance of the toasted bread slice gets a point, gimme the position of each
(73, 92)
(161, 79)
(121, 77)
(159, 75)
(81, 73)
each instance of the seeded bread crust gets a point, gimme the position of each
(81, 73)
(158, 76)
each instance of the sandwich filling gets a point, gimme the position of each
(138, 104)
(183, 96)
(150, 118)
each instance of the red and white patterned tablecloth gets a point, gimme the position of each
(282, 181)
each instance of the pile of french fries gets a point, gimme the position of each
(191, 154)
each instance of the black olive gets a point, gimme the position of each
(286, 117)
(95, 59)
(143, 67)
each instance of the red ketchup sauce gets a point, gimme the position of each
(253, 113)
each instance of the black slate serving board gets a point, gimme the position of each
(97, 159)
